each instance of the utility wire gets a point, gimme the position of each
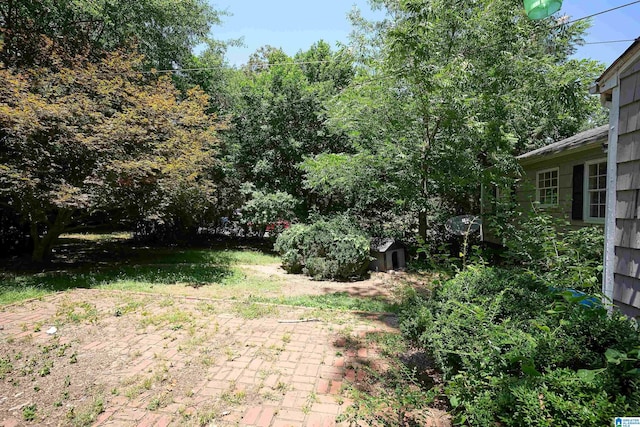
(613, 41)
(267, 65)
(602, 12)
(180, 70)
(264, 65)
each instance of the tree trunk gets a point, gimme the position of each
(42, 245)
(422, 225)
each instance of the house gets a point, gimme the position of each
(619, 89)
(388, 254)
(566, 179)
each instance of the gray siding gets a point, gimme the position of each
(627, 241)
(526, 191)
(627, 204)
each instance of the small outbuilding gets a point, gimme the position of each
(389, 254)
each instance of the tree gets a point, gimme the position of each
(101, 136)
(449, 92)
(165, 31)
(278, 116)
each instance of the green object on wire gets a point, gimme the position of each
(540, 9)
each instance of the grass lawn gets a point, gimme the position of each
(114, 261)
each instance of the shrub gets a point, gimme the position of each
(517, 353)
(564, 258)
(326, 249)
(271, 212)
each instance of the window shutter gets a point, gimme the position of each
(577, 199)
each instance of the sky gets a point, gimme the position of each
(295, 25)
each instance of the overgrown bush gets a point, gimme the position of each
(326, 249)
(517, 353)
(546, 246)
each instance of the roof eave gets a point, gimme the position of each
(528, 161)
(601, 83)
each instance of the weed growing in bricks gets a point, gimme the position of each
(29, 412)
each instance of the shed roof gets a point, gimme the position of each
(582, 139)
(383, 245)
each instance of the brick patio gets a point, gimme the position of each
(248, 372)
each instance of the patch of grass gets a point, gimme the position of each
(11, 294)
(254, 310)
(46, 369)
(160, 401)
(138, 389)
(130, 305)
(29, 412)
(88, 415)
(388, 343)
(282, 387)
(110, 261)
(206, 416)
(98, 237)
(334, 301)
(207, 307)
(176, 319)
(398, 388)
(139, 384)
(5, 367)
(77, 312)
(234, 397)
(311, 399)
(199, 256)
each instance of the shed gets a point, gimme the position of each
(619, 89)
(389, 254)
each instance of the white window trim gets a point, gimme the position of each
(557, 169)
(585, 194)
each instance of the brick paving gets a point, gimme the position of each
(215, 368)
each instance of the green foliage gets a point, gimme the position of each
(92, 137)
(277, 106)
(549, 248)
(448, 89)
(29, 412)
(325, 249)
(166, 31)
(515, 352)
(264, 209)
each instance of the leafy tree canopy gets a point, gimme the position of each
(165, 31)
(447, 94)
(100, 136)
(279, 118)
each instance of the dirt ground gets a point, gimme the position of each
(192, 356)
(381, 285)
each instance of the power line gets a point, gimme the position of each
(268, 65)
(262, 65)
(602, 12)
(181, 70)
(612, 41)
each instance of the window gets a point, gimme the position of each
(595, 190)
(547, 187)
